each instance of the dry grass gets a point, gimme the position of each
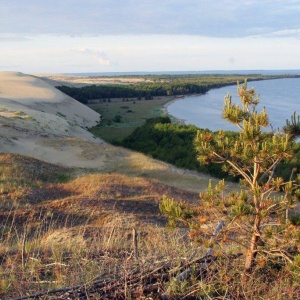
(61, 230)
(105, 158)
(53, 226)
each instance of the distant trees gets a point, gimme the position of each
(146, 90)
(172, 143)
(160, 85)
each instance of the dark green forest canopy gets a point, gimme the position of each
(174, 143)
(160, 85)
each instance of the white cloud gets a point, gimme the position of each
(98, 55)
(285, 33)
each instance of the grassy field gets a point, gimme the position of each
(133, 113)
(60, 230)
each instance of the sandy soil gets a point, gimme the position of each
(165, 109)
(32, 110)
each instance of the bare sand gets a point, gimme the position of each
(32, 110)
(166, 112)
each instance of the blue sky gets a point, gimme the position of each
(148, 35)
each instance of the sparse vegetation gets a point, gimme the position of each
(15, 114)
(57, 230)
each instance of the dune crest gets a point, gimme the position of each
(32, 110)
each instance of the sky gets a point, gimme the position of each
(81, 36)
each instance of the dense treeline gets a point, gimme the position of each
(147, 90)
(174, 143)
(160, 86)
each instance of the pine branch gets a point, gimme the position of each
(270, 169)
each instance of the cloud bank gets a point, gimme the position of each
(224, 18)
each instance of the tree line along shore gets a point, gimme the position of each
(155, 85)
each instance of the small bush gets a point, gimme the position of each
(295, 219)
(117, 119)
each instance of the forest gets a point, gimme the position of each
(156, 85)
(146, 90)
(174, 143)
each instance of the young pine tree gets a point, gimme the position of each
(253, 156)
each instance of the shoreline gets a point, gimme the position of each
(165, 111)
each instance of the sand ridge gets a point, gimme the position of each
(32, 110)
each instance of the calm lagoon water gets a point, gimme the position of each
(281, 97)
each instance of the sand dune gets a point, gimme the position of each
(35, 94)
(32, 110)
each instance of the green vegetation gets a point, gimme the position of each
(172, 143)
(133, 113)
(161, 85)
(145, 90)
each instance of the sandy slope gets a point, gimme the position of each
(33, 94)
(31, 110)
(38, 120)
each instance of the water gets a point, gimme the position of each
(281, 97)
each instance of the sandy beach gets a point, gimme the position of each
(166, 112)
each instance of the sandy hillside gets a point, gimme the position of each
(32, 110)
(38, 120)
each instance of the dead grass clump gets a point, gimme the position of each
(24, 181)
